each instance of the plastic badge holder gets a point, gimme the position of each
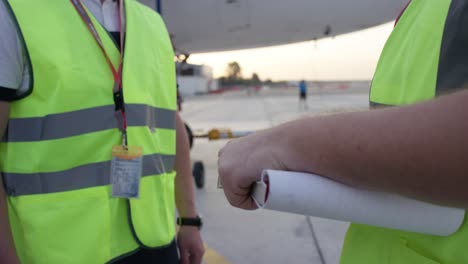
(126, 170)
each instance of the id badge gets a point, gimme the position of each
(126, 167)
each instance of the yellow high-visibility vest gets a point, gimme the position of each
(55, 159)
(425, 56)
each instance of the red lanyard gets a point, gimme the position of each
(117, 73)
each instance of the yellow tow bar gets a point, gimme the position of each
(216, 134)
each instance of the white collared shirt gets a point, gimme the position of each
(14, 70)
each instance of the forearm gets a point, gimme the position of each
(7, 247)
(184, 190)
(419, 151)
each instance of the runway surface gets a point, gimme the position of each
(243, 237)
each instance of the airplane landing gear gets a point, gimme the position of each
(199, 174)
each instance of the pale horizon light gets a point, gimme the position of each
(352, 56)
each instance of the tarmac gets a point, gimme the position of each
(249, 237)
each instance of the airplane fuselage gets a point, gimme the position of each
(215, 25)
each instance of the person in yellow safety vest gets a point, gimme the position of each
(415, 143)
(94, 158)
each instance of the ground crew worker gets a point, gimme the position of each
(303, 95)
(89, 160)
(410, 145)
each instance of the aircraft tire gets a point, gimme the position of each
(199, 174)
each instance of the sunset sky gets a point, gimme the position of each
(346, 57)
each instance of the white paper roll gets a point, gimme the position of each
(308, 194)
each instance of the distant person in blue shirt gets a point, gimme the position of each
(303, 95)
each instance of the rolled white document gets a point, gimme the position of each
(308, 194)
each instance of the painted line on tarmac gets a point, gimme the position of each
(314, 237)
(213, 257)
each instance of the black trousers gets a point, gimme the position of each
(166, 255)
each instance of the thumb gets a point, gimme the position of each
(184, 256)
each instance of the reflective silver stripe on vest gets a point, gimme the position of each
(91, 175)
(80, 122)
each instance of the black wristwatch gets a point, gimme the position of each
(186, 221)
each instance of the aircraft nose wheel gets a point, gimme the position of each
(199, 174)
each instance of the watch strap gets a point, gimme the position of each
(188, 221)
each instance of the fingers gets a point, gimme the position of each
(192, 255)
(190, 244)
(197, 255)
(240, 198)
(232, 174)
(184, 256)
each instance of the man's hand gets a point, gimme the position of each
(190, 245)
(7, 246)
(189, 239)
(419, 151)
(9, 257)
(242, 161)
